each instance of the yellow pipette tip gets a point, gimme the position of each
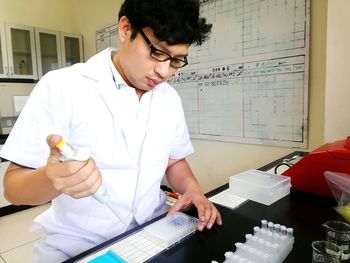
(59, 145)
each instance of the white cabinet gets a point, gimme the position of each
(57, 49)
(29, 53)
(72, 49)
(48, 50)
(17, 52)
(3, 53)
(20, 50)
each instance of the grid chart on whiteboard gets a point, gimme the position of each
(249, 82)
(107, 36)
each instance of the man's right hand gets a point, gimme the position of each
(74, 178)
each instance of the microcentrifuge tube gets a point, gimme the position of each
(238, 246)
(283, 239)
(290, 232)
(264, 224)
(268, 245)
(240, 259)
(254, 240)
(283, 230)
(275, 249)
(228, 254)
(248, 237)
(261, 243)
(244, 249)
(253, 252)
(235, 258)
(276, 228)
(270, 226)
(269, 236)
(256, 230)
(266, 258)
(259, 253)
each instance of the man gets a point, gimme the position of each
(119, 107)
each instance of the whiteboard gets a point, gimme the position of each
(249, 82)
(107, 36)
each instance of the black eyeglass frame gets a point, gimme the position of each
(183, 62)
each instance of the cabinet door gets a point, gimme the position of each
(21, 51)
(72, 49)
(48, 50)
(4, 73)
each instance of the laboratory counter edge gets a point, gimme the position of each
(304, 212)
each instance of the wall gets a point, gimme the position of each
(337, 106)
(92, 15)
(53, 14)
(213, 162)
(75, 16)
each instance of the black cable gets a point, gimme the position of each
(280, 164)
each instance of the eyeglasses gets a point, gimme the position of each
(162, 56)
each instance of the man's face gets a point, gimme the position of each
(142, 71)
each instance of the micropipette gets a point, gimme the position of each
(70, 154)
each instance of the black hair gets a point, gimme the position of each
(173, 21)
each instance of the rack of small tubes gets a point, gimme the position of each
(270, 243)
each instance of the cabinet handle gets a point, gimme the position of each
(6, 72)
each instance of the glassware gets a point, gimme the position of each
(325, 252)
(338, 232)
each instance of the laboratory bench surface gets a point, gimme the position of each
(304, 212)
(3, 138)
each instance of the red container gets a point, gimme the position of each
(308, 174)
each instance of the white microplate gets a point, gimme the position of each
(151, 240)
(227, 199)
(173, 228)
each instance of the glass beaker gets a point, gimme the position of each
(338, 232)
(325, 252)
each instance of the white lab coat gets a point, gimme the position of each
(88, 108)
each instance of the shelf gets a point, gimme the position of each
(21, 52)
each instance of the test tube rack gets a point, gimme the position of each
(270, 243)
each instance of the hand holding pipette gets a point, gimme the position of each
(77, 179)
(83, 155)
(68, 153)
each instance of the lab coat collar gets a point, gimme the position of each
(109, 86)
(98, 66)
(101, 69)
(97, 69)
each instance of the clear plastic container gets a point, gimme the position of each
(259, 186)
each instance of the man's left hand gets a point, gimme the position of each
(207, 212)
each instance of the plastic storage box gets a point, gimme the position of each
(259, 186)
